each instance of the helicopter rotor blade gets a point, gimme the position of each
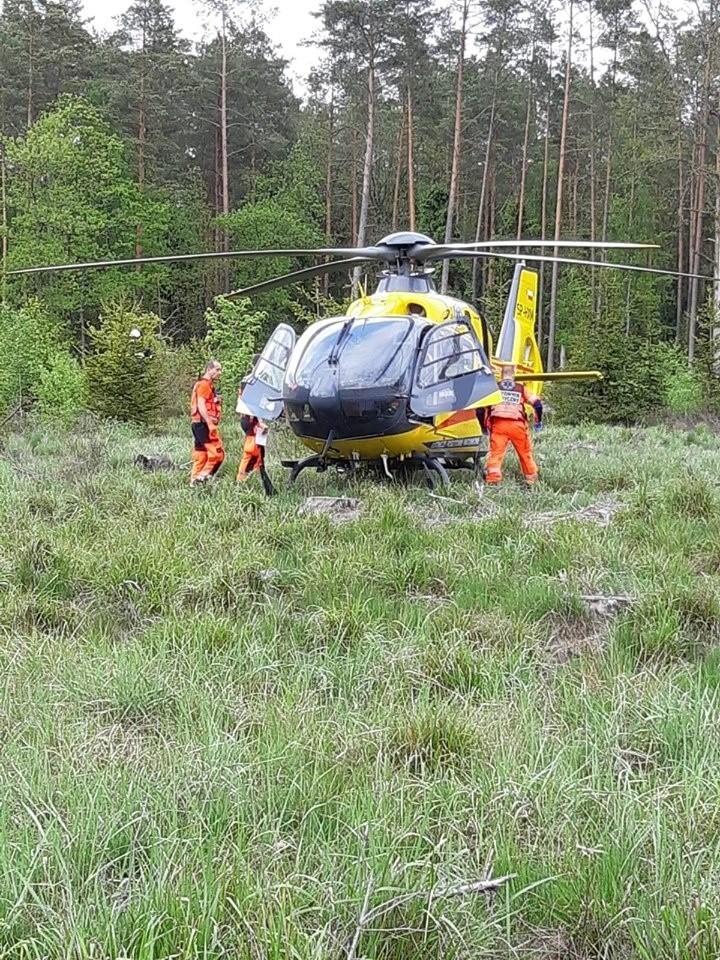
(440, 251)
(295, 277)
(487, 254)
(364, 253)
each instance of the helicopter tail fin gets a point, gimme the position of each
(517, 344)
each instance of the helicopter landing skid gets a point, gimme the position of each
(474, 463)
(434, 471)
(348, 468)
(298, 466)
(317, 460)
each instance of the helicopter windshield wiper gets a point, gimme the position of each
(334, 355)
(395, 351)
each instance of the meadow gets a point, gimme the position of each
(230, 727)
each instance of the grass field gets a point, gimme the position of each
(231, 729)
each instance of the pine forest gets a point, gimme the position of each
(468, 120)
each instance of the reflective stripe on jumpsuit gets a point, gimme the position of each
(508, 425)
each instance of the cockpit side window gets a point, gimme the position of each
(272, 363)
(450, 354)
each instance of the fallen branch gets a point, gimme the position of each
(602, 598)
(368, 916)
(23, 471)
(9, 417)
(362, 922)
(436, 496)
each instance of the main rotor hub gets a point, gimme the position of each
(404, 239)
(401, 249)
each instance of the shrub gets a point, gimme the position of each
(640, 379)
(177, 369)
(684, 388)
(61, 391)
(121, 372)
(322, 306)
(30, 341)
(233, 336)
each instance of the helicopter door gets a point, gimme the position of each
(263, 394)
(452, 371)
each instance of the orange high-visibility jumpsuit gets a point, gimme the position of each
(253, 457)
(208, 452)
(508, 425)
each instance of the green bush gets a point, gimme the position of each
(177, 369)
(685, 391)
(121, 372)
(234, 335)
(61, 391)
(30, 342)
(640, 380)
(321, 306)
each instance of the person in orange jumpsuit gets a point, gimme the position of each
(208, 453)
(507, 423)
(253, 457)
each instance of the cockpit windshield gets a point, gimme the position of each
(366, 351)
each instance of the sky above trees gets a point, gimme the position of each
(290, 27)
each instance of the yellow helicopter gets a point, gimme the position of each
(396, 381)
(399, 378)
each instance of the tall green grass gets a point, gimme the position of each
(226, 726)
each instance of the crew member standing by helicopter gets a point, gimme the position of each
(208, 452)
(507, 423)
(254, 447)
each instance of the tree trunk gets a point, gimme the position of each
(224, 126)
(218, 186)
(142, 138)
(558, 203)
(31, 71)
(410, 161)
(328, 184)
(398, 173)
(483, 198)
(681, 235)
(455, 168)
(692, 214)
(700, 208)
(606, 198)
(484, 184)
(716, 282)
(526, 143)
(574, 203)
(608, 163)
(367, 171)
(492, 206)
(3, 222)
(631, 220)
(353, 192)
(486, 231)
(592, 154)
(225, 185)
(543, 206)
